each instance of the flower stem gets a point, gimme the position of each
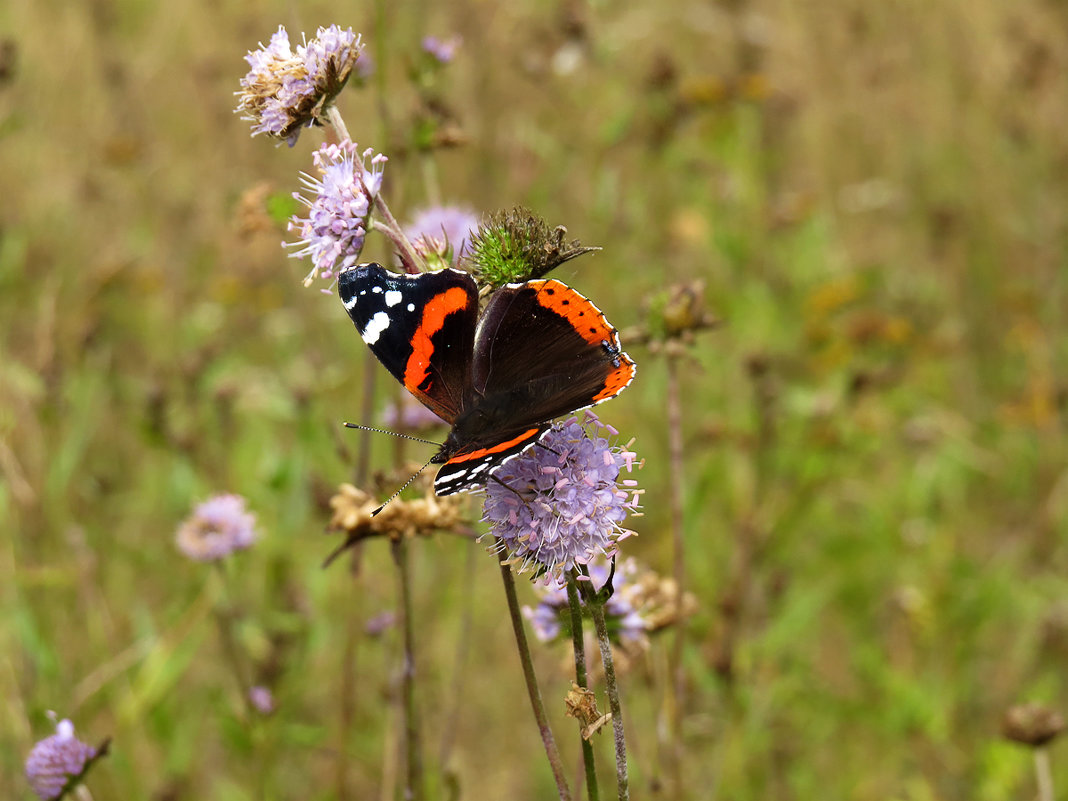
(581, 679)
(1043, 774)
(409, 258)
(551, 751)
(333, 116)
(413, 790)
(596, 606)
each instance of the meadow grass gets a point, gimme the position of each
(875, 495)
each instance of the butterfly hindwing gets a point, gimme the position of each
(421, 327)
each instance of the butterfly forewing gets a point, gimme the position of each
(544, 350)
(421, 327)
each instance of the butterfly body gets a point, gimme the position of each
(498, 377)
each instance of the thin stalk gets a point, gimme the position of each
(1043, 774)
(551, 751)
(333, 116)
(676, 674)
(413, 785)
(581, 679)
(596, 607)
(463, 648)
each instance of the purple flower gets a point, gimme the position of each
(441, 50)
(262, 699)
(285, 91)
(218, 527)
(58, 762)
(442, 231)
(409, 415)
(561, 502)
(342, 196)
(625, 618)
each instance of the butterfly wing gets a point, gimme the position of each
(421, 327)
(543, 350)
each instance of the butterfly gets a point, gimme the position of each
(537, 351)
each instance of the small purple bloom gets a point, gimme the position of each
(443, 231)
(409, 415)
(262, 699)
(332, 234)
(626, 621)
(377, 625)
(56, 763)
(441, 50)
(285, 91)
(561, 502)
(218, 527)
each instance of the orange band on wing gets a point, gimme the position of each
(434, 314)
(586, 318)
(616, 381)
(500, 446)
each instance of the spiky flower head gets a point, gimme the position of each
(517, 246)
(339, 205)
(218, 527)
(562, 502)
(625, 619)
(441, 234)
(285, 91)
(57, 763)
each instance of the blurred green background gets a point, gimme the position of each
(876, 495)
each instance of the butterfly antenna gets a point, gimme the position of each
(393, 433)
(403, 488)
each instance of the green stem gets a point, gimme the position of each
(551, 751)
(1043, 774)
(413, 790)
(581, 679)
(596, 607)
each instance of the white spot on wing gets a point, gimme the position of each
(393, 297)
(375, 326)
(348, 304)
(411, 307)
(376, 289)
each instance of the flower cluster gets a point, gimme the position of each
(441, 233)
(285, 91)
(218, 527)
(332, 234)
(641, 603)
(58, 762)
(561, 503)
(442, 51)
(626, 621)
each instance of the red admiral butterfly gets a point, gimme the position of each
(538, 351)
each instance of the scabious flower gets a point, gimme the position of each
(218, 527)
(442, 233)
(626, 621)
(57, 763)
(442, 51)
(332, 234)
(285, 91)
(562, 503)
(262, 699)
(409, 415)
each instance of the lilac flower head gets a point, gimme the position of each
(341, 199)
(625, 619)
(262, 699)
(442, 51)
(218, 527)
(58, 762)
(561, 502)
(409, 415)
(285, 91)
(442, 231)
